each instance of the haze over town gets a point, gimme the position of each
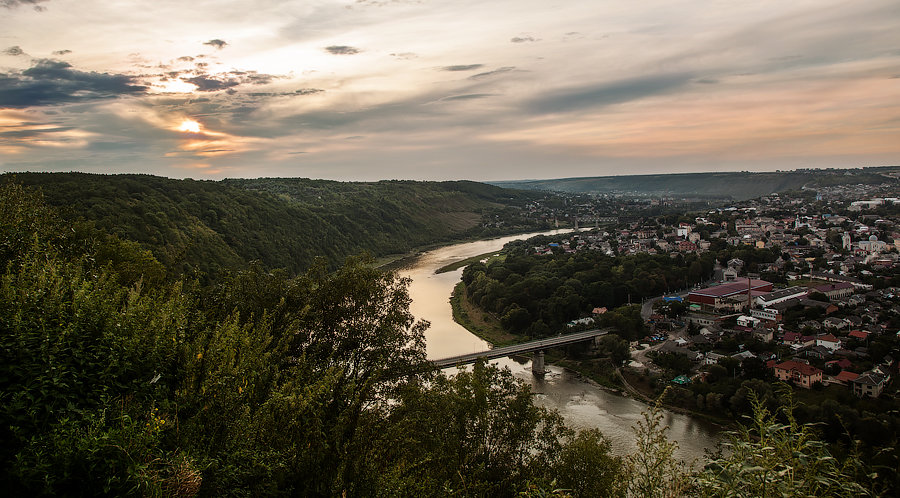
(367, 90)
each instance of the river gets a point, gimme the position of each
(582, 405)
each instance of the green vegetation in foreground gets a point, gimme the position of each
(266, 384)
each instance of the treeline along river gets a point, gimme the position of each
(582, 404)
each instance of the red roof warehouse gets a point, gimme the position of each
(716, 297)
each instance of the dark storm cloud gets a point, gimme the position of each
(9, 4)
(62, 52)
(466, 67)
(219, 44)
(342, 50)
(487, 74)
(605, 94)
(523, 39)
(15, 50)
(50, 82)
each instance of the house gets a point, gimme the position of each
(769, 315)
(828, 341)
(819, 352)
(729, 275)
(712, 358)
(834, 323)
(861, 335)
(599, 311)
(869, 384)
(846, 377)
(763, 334)
(802, 374)
(843, 363)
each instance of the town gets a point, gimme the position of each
(823, 313)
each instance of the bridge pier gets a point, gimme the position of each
(537, 364)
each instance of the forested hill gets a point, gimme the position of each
(284, 223)
(737, 185)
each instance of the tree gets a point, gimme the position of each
(587, 468)
(769, 457)
(478, 433)
(616, 348)
(653, 470)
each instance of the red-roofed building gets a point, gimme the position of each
(829, 341)
(802, 374)
(845, 377)
(712, 298)
(843, 363)
(859, 334)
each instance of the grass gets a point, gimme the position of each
(493, 255)
(476, 321)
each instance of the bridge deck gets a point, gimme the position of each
(526, 347)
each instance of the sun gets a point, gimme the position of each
(190, 126)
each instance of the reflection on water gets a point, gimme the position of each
(581, 404)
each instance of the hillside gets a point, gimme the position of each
(204, 226)
(727, 185)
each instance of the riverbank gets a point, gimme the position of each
(399, 260)
(636, 385)
(488, 328)
(483, 325)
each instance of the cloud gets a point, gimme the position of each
(404, 55)
(487, 74)
(51, 82)
(15, 51)
(185, 58)
(9, 4)
(466, 67)
(468, 96)
(608, 93)
(219, 44)
(62, 52)
(308, 91)
(207, 84)
(342, 50)
(523, 39)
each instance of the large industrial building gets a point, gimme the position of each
(734, 295)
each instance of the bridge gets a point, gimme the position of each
(536, 347)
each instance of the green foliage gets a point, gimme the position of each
(586, 466)
(771, 457)
(475, 434)
(202, 227)
(558, 289)
(653, 471)
(117, 381)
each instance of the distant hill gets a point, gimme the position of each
(205, 226)
(733, 185)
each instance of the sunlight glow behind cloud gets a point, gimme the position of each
(436, 90)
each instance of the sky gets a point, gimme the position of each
(433, 90)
